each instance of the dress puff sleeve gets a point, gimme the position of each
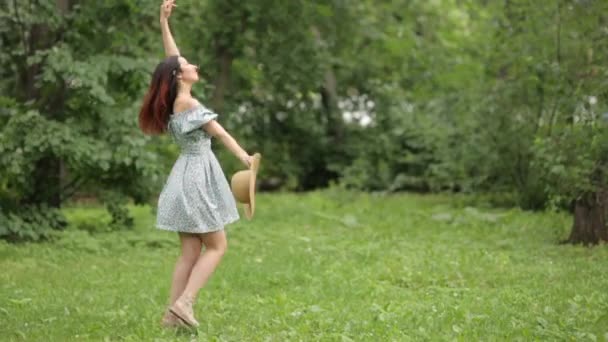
(196, 118)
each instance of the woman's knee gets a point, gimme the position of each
(219, 247)
(222, 247)
(216, 242)
(190, 256)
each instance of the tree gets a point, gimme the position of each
(70, 94)
(270, 64)
(540, 128)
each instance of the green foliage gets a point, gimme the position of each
(28, 137)
(31, 223)
(271, 101)
(116, 205)
(404, 95)
(574, 161)
(72, 89)
(542, 68)
(92, 220)
(95, 220)
(397, 160)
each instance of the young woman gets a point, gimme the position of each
(196, 200)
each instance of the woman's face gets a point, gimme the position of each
(189, 72)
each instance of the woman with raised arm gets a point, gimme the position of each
(196, 200)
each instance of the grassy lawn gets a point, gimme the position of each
(327, 266)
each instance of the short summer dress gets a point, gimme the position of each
(196, 197)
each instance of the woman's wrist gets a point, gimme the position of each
(244, 157)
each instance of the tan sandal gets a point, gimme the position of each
(182, 309)
(171, 321)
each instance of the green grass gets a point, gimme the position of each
(328, 266)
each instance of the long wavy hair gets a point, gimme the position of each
(158, 101)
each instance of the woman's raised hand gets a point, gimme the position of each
(166, 8)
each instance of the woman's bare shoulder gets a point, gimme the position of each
(183, 103)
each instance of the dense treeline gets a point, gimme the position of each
(506, 97)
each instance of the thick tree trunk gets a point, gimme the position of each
(590, 212)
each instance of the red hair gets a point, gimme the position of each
(158, 101)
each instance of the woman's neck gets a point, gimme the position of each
(184, 89)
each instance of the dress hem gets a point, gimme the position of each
(198, 230)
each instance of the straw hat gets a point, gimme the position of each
(243, 186)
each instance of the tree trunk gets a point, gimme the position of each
(589, 227)
(46, 178)
(329, 100)
(46, 181)
(329, 97)
(222, 79)
(63, 6)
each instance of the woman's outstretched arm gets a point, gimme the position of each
(217, 131)
(168, 42)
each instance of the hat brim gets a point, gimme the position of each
(255, 165)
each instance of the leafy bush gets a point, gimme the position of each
(574, 161)
(31, 223)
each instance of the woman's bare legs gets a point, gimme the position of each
(191, 251)
(191, 245)
(215, 247)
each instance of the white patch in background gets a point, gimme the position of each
(592, 100)
(365, 120)
(316, 100)
(347, 116)
(357, 109)
(281, 116)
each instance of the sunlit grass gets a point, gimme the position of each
(328, 266)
